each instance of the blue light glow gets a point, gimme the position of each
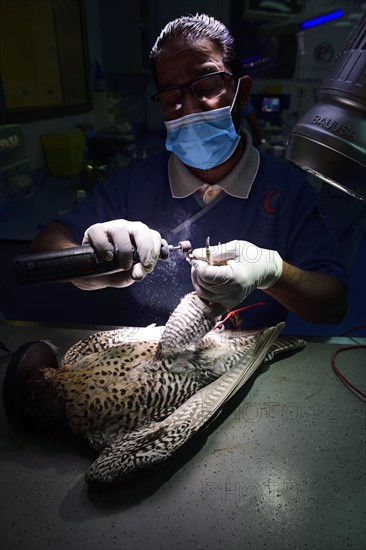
(250, 59)
(321, 19)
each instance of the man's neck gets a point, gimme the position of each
(214, 175)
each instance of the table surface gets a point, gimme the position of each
(283, 467)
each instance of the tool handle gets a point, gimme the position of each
(68, 263)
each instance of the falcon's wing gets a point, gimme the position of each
(160, 440)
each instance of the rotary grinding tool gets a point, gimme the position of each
(76, 262)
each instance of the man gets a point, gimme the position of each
(277, 247)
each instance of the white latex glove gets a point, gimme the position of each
(239, 267)
(117, 237)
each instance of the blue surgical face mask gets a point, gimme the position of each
(203, 140)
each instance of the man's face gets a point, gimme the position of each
(181, 65)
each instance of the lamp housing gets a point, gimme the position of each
(329, 140)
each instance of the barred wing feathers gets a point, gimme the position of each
(156, 443)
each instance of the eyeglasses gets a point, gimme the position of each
(202, 88)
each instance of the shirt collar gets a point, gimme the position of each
(237, 183)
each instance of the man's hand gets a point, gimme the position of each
(239, 267)
(116, 238)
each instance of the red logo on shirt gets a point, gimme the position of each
(273, 200)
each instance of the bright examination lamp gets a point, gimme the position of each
(329, 141)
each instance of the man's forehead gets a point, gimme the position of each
(198, 58)
(182, 47)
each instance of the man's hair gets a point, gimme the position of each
(188, 29)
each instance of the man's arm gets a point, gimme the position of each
(53, 237)
(313, 296)
(56, 236)
(240, 267)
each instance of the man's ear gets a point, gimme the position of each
(242, 98)
(245, 87)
